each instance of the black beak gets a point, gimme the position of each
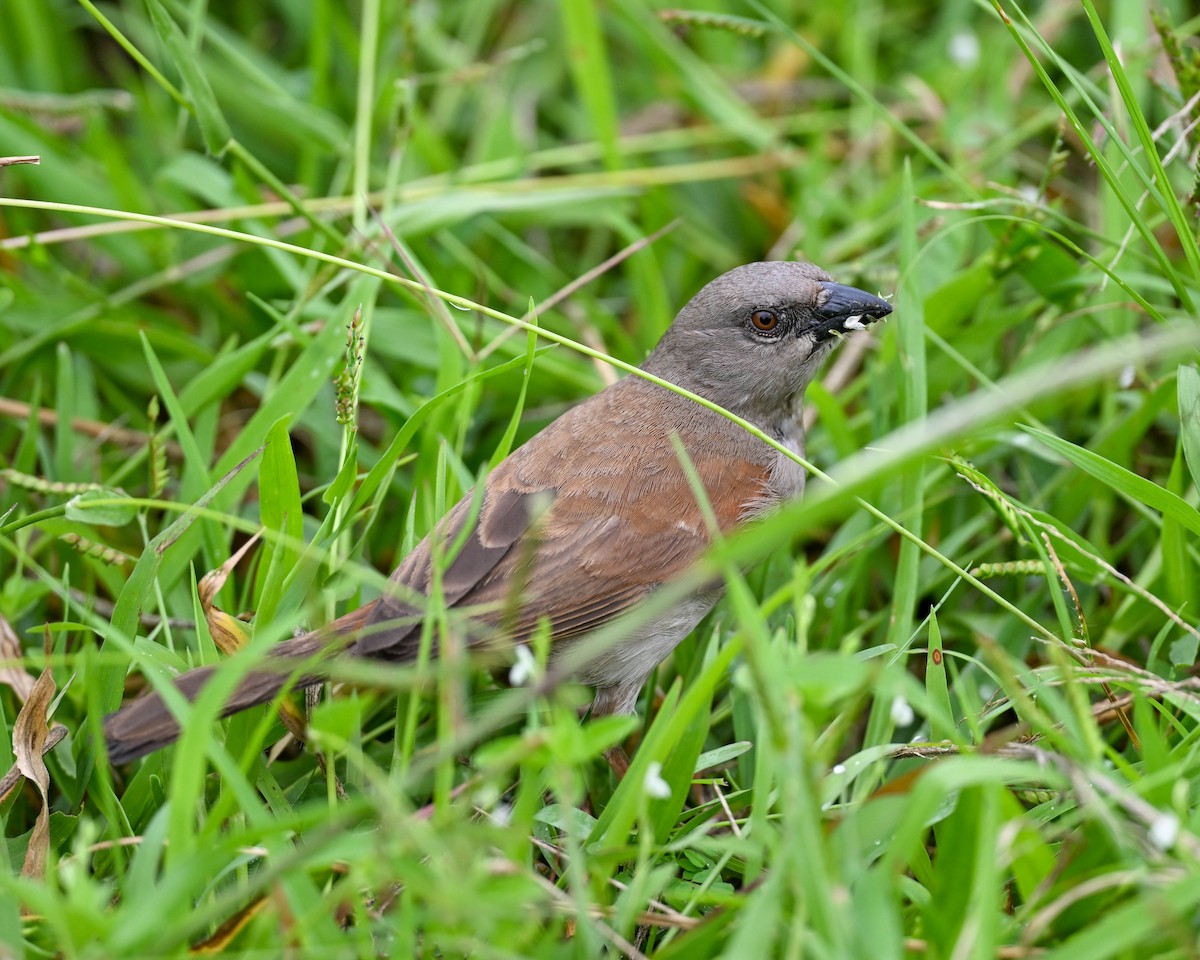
(847, 308)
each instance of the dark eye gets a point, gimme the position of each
(764, 320)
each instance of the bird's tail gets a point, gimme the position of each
(146, 724)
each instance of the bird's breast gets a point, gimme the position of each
(787, 476)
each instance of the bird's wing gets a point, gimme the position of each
(580, 523)
(621, 519)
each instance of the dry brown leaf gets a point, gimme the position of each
(14, 775)
(227, 631)
(30, 733)
(293, 720)
(219, 939)
(12, 659)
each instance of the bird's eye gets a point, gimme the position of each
(764, 320)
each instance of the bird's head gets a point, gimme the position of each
(753, 338)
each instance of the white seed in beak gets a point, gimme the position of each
(854, 323)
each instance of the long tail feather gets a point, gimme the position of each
(146, 724)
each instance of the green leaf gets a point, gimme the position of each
(345, 477)
(1188, 386)
(1183, 651)
(941, 711)
(829, 678)
(340, 718)
(194, 459)
(674, 740)
(98, 508)
(914, 405)
(218, 380)
(1076, 553)
(600, 733)
(378, 472)
(306, 375)
(64, 406)
(280, 511)
(590, 66)
(138, 591)
(845, 773)
(1124, 929)
(568, 819)
(1174, 543)
(514, 421)
(1123, 481)
(213, 127)
(722, 755)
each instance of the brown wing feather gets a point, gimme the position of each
(393, 628)
(622, 519)
(617, 499)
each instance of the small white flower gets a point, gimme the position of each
(1127, 376)
(1029, 193)
(838, 769)
(902, 713)
(854, 323)
(1164, 831)
(963, 48)
(502, 814)
(525, 669)
(655, 786)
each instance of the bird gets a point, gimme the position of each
(598, 510)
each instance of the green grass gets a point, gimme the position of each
(947, 707)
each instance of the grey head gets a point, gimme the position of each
(753, 339)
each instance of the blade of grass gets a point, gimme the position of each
(1139, 221)
(202, 104)
(280, 511)
(1184, 231)
(1188, 385)
(1125, 482)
